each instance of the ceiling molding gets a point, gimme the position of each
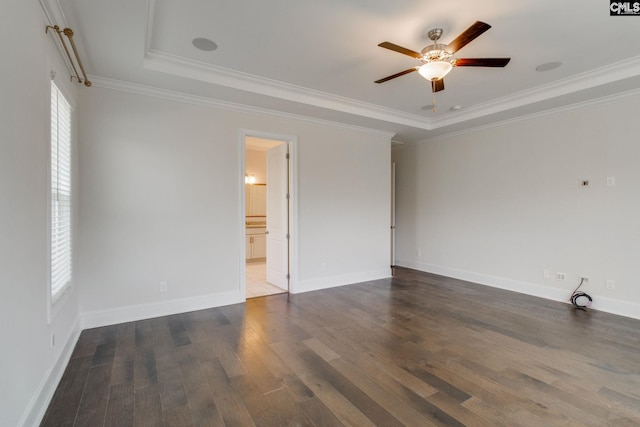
(171, 64)
(107, 83)
(160, 54)
(183, 67)
(151, 14)
(603, 101)
(163, 62)
(586, 80)
(54, 13)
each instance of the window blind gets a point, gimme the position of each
(60, 193)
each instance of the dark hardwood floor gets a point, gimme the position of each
(416, 350)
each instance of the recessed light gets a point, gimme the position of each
(548, 66)
(204, 44)
(456, 108)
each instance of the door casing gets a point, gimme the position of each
(292, 142)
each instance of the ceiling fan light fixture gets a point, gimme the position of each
(435, 70)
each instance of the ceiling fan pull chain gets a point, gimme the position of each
(434, 102)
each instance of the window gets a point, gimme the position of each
(60, 194)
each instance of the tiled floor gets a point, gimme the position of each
(257, 285)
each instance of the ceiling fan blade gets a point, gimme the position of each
(482, 62)
(467, 36)
(401, 73)
(437, 85)
(400, 49)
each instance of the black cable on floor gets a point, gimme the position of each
(580, 299)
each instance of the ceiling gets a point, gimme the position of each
(320, 58)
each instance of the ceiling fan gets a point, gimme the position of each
(437, 59)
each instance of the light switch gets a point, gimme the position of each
(611, 181)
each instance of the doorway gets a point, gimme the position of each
(267, 196)
(393, 217)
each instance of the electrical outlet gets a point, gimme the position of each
(546, 274)
(163, 286)
(561, 276)
(583, 277)
(611, 284)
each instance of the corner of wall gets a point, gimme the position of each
(39, 403)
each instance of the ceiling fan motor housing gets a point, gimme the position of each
(435, 34)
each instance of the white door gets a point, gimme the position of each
(277, 216)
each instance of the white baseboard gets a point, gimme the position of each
(44, 393)
(609, 305)
(334, 281)
(94, 319)
(616, 306)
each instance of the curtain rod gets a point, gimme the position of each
(69, 33)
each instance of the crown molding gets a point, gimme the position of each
(151, 14)
(183, 67)
(163, 62)
(53, 12)
(607, 74)
(138, 89)
(592, 103)
(180, 66)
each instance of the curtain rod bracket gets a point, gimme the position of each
(69, 33)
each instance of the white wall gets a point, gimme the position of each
(29, 366)
(500, 205)
(344, 210)
(160, 201)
